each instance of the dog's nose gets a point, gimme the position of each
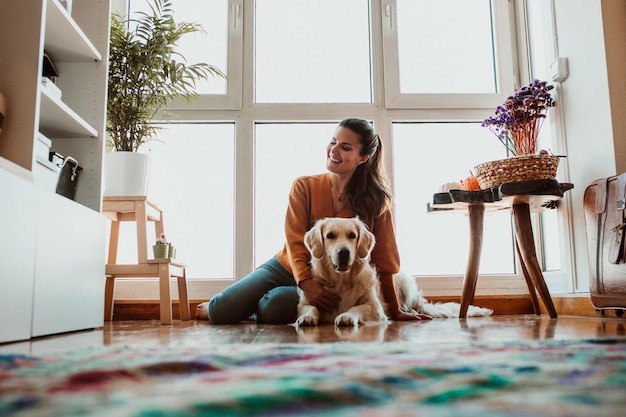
(344, 255)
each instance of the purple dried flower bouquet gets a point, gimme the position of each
(517, 122)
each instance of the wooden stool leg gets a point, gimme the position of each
(529, 281)
(476, 216)
(109, 288)
(165, 294)
(183, 297)
(524, 235)
(113, 241)
(141, 219)
(159, 225)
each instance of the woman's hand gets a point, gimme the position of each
(319, 296)
(402, 316)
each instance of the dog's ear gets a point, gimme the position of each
(313, 241)
(366, 241)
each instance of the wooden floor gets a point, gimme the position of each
(202, 333)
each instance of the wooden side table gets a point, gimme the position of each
(520, 198)
(140, 210)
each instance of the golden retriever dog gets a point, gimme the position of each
(340, 255)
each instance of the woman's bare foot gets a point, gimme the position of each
(201, 311)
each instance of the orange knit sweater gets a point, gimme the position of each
(310, 199)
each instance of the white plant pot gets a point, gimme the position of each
(126, 174)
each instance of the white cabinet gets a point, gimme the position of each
(69, 282)
(54, 278)
(17, 249)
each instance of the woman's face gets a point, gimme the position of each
(343, 154)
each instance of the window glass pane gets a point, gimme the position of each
(551, 241)
(312, 51)
(539, 37)
(427, 155)
(210, 45)
(445, 46)
(191, 180)
(283, 152)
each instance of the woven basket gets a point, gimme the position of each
(515, 169)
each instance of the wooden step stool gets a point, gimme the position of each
(140, 210)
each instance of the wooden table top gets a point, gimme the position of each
(539, 194)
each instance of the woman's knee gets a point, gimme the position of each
(278, 306)
(219, 312)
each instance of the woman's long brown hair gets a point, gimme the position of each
(367, 192)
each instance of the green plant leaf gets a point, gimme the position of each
(147, 72)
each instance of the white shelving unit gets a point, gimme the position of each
(52, 264)
(57, 119)
(65, 40)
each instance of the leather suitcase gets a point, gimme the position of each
(605, 219)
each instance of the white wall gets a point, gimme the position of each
(585, 102)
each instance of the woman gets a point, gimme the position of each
(354, 185)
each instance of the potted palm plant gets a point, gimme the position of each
(146, 72)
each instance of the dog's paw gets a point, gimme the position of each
(346, 320)
(306, 320)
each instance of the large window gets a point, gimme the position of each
(434, 57)
(550, 225)
(426, 155)
(283, 151)
(319, 53)
(447, 53)
(425, 72)
(192, 181)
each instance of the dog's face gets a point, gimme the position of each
(340, 240)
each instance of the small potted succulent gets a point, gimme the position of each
(161, 248)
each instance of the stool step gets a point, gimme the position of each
(140, 210)
(151, 269)
(164, 269)
(170, 261)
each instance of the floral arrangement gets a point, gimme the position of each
(517, 122)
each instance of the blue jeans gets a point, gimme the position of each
(269, 291)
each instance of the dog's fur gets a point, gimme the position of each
(340, 255)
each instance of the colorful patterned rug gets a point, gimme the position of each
(548, 378)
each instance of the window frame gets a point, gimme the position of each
(388, 107)
(505, 60)
(232, 99)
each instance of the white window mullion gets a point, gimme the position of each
(244, 197)
(390, 51)
(377, 65)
